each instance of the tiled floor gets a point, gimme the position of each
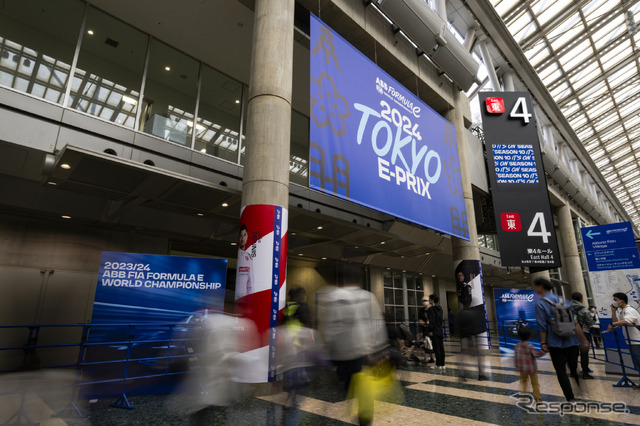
(428, 397)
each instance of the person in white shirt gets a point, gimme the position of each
(624, 315)
(244, 277)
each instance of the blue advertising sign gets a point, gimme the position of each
(149, 314)
(515, 308)
(610, 247)
(375, 143)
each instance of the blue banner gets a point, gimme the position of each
(149, 316)
(515, 308)
(375, 143)
(610, 247)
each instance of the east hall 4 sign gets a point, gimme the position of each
(519, 189)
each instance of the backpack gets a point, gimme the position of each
(561, 321)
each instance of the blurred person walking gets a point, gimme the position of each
(585, 321)
(300, 352)
(559, 335)
(469, 327)
(351, 324)
(526, 363)
(296, 308)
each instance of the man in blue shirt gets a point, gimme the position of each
(563, 350)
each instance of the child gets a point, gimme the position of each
(526, 362)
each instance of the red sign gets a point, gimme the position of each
(495, 105)
(510, 222)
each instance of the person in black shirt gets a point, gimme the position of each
(435, 329)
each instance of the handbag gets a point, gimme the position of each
(428, 345)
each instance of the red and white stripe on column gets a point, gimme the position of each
(261, 285)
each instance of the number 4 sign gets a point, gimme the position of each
(523, 214)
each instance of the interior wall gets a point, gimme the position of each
(48, 274)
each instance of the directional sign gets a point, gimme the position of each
(610, 247)
(518, 184)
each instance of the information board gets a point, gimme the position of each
(377, 144)
(609, 247)
(518, 186)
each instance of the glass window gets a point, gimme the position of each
(388, 296)
(397, 280)
(387, 279)
(399, 299)
(170, 94)
(109, 71)
(299, 156)
(412, 301)
(217, 131)
(37, 43)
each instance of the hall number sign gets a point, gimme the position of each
(518, 185)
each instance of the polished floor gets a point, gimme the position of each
(428, 397)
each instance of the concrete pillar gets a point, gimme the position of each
(488, 63)
(540, 274)
(470, 38)
(508, 79)
(377, 284)
(266, 170)
(571, 260)
(440, 6)
(265, 188)
(464, 250)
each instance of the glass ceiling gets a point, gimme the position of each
(586, 52)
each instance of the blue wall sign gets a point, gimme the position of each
(153, 311)
(375, 143)
(515, 308)
(610, 247)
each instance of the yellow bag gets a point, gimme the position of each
(374, 383)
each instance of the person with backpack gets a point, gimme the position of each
(585, 321)
(296, 309)
(559, 335)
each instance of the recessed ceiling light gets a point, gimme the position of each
(64, 216)
(293, 233)
(167, 68)
(388, 269)
(402, 257)
(65, 166)
(237, 101)
(225, 205)
(234, 244)
(383, 242)
(356, 247)
(324, 258)
(300, 254)
(404, 270)
(52, 183)
(200, 214)
(433, 276)
(319, 228)
(90, 32)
